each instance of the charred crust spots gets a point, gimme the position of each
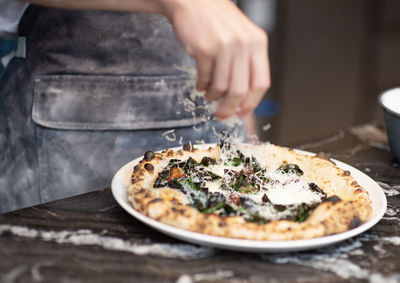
(174, 209)
(149, 167)
(355, 222)
(222, 224)
(170, 153)
(133, 180)
(136, 168)
(354, 183)
(180, 152)
(147, 195)
(333, 199)
(159, 158)
(358, 191)
(148, 156)
(141, 191)
(181, 211)
(155, 200)
(346, 173)
(188, 147)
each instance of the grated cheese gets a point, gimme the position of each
(170, 135)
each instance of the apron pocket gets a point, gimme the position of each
(85, 102)
(86, 127)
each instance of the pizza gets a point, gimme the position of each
(245, 191)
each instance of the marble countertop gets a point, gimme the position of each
(89, 238)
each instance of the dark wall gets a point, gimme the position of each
(330, 59)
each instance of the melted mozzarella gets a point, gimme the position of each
(215, 187)
(268, 212)
(292, 193)
(219, 169)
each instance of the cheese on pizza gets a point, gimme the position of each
(248, 191)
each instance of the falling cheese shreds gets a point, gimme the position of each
(170, 135)
(266, 127)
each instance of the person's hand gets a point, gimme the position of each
(230, 51)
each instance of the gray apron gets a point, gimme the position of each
(96, 90)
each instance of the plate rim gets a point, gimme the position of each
(243, 244)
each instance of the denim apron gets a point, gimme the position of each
(96, 90)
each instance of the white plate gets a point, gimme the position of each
(121, 181)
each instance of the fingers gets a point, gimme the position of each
(259, 76)
(221, 75)
(204, 72)
(239, 83)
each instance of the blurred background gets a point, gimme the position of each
(329, 61)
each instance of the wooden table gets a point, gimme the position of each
(89, 238)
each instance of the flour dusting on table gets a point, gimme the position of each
(88, 237)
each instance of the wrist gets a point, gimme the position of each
(170, 7)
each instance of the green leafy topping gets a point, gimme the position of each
(224, 209)
(236, 161)
(173, 161)
(212, 175)
(303, 211)
(314, 187)
(188, 183)
(189, 165)
(290, 169)
(161, 180)
(237, 186)
(197, 204)
(214, 208)
(206, 161)
(256, 219)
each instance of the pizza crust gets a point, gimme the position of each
(330, 217)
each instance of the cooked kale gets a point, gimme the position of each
(189, 165)
(236, 161)
(225, 209)
(290, 169)
(314, 187)
(206, 161)
(189, 183)
(256, 219)
(302, 212)
(214, 198)
(161, 180)
(247, 202)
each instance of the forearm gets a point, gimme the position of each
(149, 6)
